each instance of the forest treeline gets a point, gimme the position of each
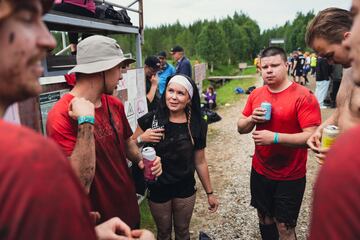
(231, 40)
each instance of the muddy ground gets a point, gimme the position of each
(229, 158)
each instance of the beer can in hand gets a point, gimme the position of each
(329, 135)
(267, 106)
(149, 156)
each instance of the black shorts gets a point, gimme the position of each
(299, 72)
(161, 193)
(277, 199)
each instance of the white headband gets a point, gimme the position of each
(183, 81)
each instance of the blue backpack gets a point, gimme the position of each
(239, 90)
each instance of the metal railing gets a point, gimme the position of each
(139, 11)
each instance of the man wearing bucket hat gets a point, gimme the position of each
(40, 196)
(91, 127)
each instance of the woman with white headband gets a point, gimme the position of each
(178, 133)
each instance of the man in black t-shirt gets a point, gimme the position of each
(152, 66)
(299, 68)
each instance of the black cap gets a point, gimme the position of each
(153, 62)
(162, 54)
(176, 49)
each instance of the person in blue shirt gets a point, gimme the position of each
(183, 65)
(166, 70)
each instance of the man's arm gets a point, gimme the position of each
(202, 171)
(265, 137)
(314, 142)
(247, 124)
(132, 151)
(151, 94)
(187, 69)
(83, 157)
(294, 65)
(134, 155)
(344, 88)
(296, 139)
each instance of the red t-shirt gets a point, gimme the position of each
(112, 192)
(336, 206)
(40, 197)
(293, 109)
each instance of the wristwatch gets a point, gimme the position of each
(139, 140)
(86, 119)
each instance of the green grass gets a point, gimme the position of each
(249, 71)
(225, 70)
(147, 220)
(226, 94)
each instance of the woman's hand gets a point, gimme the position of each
(152, 135)
(213, 203)
(156, 169)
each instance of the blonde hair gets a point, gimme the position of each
(188, 113)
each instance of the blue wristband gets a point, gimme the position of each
(276, 138)
(86, 119)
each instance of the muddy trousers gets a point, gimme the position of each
(177, 211)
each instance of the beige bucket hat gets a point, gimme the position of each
(98, 53)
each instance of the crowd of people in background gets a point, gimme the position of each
(327, 75)
(79, 185)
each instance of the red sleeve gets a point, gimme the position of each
(336, 209)
(248, 107)
(41, 197)
(60, 127)
(308, 110)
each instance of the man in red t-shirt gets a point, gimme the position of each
(40, 196)
(279, 161)
(91, 127)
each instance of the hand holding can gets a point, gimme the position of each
(267, 107)
(149, 156)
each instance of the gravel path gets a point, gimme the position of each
(229, 158)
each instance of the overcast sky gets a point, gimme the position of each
(268, 13)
